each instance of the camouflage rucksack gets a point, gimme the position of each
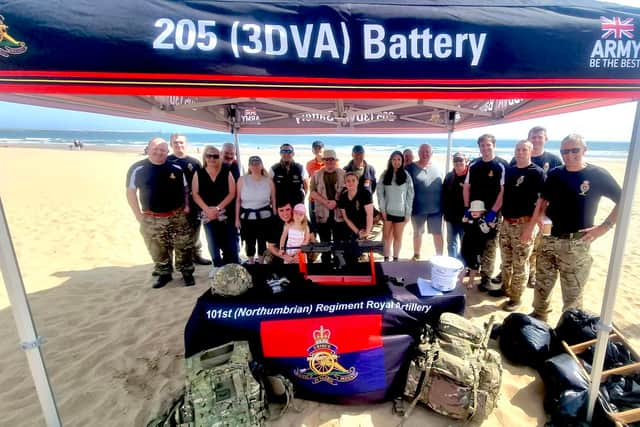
(453, 372)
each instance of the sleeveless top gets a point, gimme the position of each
(294, 238)
(213, 192)
(255, 194)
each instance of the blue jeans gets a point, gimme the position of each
(222, 238)
(454, 238)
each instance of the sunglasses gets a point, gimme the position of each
(328, 159)
(212, 156)
(575, 150)
(286, 151)
(458, 159)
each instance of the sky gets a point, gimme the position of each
(601, 124)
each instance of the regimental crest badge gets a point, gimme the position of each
(490, 174)
(172, 176)
(190, 167)
(519, 181)
(9, 45)
(323, 362)
(584, 187)
(545, 167)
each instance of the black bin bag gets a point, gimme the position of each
(576, 326)
(527, 341)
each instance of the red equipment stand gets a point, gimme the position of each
(338, 280)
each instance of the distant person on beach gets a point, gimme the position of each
(314, 165)
(522, 185)
(190, 165)
(229, 159)
(365, 172)
(453, 203)
(255, 207)
(570, 198)
(326, 186)
(395, 200)
(485, 181)
(289, 177)
(408, 156)
(547, 161)
(158, 195)
(427, 209)
(214, 190)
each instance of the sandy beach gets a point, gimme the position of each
(114, 345)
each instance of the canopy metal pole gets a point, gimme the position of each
(615, 262)
(236, 141)
(30, 341)
(450, 120)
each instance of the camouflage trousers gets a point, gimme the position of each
(488, 259)
(161, 235)
(537, 242)
(515, 260)
(571, 259)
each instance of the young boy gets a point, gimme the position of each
(476, 233)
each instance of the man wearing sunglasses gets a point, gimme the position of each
(570, 198)
(158, 195)
(289, 177)
(190, 165)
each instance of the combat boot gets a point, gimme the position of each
(188, 279)
(161, 280)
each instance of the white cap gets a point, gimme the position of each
(477, 206)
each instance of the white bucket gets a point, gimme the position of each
(444, 272)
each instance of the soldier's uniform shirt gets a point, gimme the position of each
(162, 188)
(574, 196)
(190, 165)
(573, 200)
(289, 182)
(522, 187)
(547, 161)
(485, 180)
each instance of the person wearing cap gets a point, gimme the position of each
(477, 231)
(427, 209)
(485, 181)
(522, 186)
(190, 165)
(255, 205)
(158, 195)
(570, 197)
(326, 186)
(290, 178)
(314, 165)
(365, 172)
(395, 199)
(453, 203)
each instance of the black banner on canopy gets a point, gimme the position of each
(229, 46)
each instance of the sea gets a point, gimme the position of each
(609, 150)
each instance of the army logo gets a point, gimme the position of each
(584, 187)
(9, 45)
(323, 362)
(519, 181)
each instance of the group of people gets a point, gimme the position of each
(486, 203)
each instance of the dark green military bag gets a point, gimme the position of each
(453, 372)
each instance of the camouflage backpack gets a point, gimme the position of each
(453, 372)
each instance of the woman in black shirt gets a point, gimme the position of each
(356, 206)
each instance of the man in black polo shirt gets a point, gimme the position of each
(229, 160)
(162, 210)
(522, 186)
(365, 172)
(547, 161)
(190, 165)
(289, 177)
(570, 198)
(485, 181)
